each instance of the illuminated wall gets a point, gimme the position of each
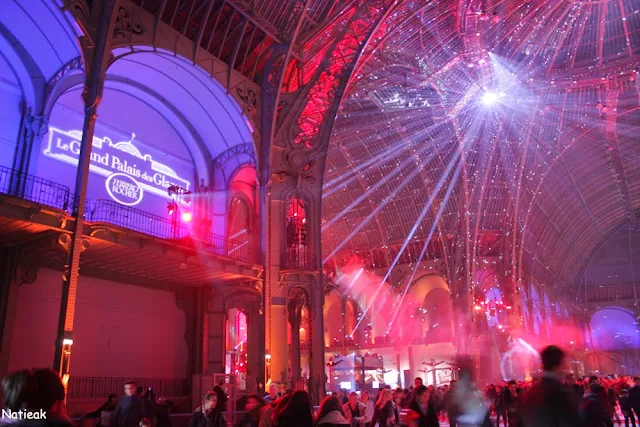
(136, 153)
(614, 329)
(120, 330)
(10, 116)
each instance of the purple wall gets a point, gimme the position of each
(10, 117)
(614, 329)
(133, 173)
(120, 330)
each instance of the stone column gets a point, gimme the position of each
(295, 317)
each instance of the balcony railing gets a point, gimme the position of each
(107, 211)
(104, 386)
(35, 189)
(58, 196)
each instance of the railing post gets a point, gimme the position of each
(103, 19)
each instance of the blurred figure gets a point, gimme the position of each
(330, 413)
(492, 396)
(625, 407)
(368, 414)
(471, 408)
(273, 393)
(511, 403)
(612, 402)
(576, 391)
(207, 415)
(130, 408)
(297, 412)
(422, 410)
(49, 397)
(253, 407)
(145, 422)
(548, 404)
(354, 411)
(501, 408)
(417, 382)
(19, 390)
(593, 412)
(384, 413)
(271, 409)
(634, 397)
(451, 405)
(221, 405)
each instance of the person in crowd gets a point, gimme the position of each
(576, 391)
(417, 382)
(625, 407)
(451, 405)
(330, 413)
(298, 411)
(547, 404)
(130, 408)
(593, 412)
(145, 422)
(511, 402)
(492, 396)
(273, 393)
(501, 407)
(612, 401)
(271, 409)
(634, 397)
(19, 390)
(221, 405)
(368, 413)
(49, 397)
(422, 410)
(354, 412)
(384, 412)
(253, 408)
(208, 414)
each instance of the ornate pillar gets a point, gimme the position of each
(101, 28)
(294, 319)
(33, 129)
(215, 341)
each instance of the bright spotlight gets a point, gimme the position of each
(490, 98)
(187, 216)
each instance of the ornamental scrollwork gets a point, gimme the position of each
(126, 24)
(74, 64)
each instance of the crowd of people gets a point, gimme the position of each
(553, 400)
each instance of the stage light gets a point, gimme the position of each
(187, 216)
(478, 308)
(489, 98)
(267, 356)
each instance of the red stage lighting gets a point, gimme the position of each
(171, 208)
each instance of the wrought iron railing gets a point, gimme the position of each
(58, 196)
(34, 188)
(107, 211)
(104, 386)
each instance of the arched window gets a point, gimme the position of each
(241, 220)
(297, 256)
(236, 357)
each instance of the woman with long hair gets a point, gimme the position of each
(298, 412)
(384, 412)
(330, 413)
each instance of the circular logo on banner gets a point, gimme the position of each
(124, 189)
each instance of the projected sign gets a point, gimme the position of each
(129, 173)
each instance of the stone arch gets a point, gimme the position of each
(332, 312)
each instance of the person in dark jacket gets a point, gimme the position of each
(548, 404)
(511, 403)
(625, 407)
(384, 412)
(253, 407)
(424, 407)
(130, 408)
(297, 412)
(207, 415)
(593, 412)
